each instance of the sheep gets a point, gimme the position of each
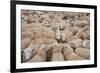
(35, 48)
(67, 50)
(35, 44)
(86, 28)
(68, 35)
(83, 23)
(56, 48)
(73, 56)
(25, 17)
(85, 53)
(49, 51)
(24, 12)
(38, 41)
(45, 23)
(75, 29)
(57, 54)
(57, 57)
(49, 41)
(88, 34)
(61, 45)
(82, 35)
(80, 23)
(33, 18)
(27, 34)
(25, 42)
(47, 32)
(86, 44)
(26, 54)
(31, 25)
(75, 43)
(61, 24)
(40, 55)
(39, 32)
(62, 37)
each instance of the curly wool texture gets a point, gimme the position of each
(54, 36)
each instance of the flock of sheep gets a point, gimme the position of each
(54, 36)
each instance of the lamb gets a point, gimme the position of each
(85, 53)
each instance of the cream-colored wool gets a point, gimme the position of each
(75, 29)
(68, 35)
(25, 42)
(40, 55)
(67, 50)
(73, 56)
(85, 53)
(36, 58)
(49, 41)
(27, 34)
(58, 56)
(82, 35)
